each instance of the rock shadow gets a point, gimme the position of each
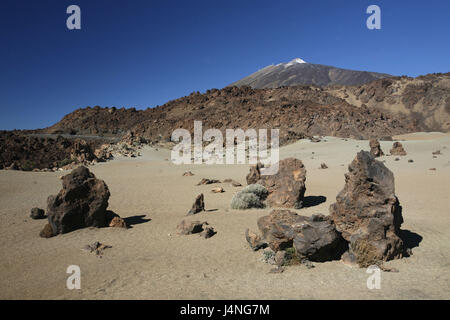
(410, 240)
(312, 201)
(134, 220)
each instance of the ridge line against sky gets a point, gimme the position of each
(145, 53)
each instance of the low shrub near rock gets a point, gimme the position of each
(251, 196)
(242, 201)
(257, 189)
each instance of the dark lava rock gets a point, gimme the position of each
(198, 206)
(286, 187)
(37, 213)
(367, 212)
(81, 203)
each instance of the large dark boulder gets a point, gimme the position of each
(367, 212)
(287, 187)
(81, 203)
(314, 238)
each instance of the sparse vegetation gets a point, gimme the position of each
(366, 253)
(251, 196)
(242, 201)
(291, 257)
(257, 189)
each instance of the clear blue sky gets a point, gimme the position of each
(143, 53)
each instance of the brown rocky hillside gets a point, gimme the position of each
(425, 98)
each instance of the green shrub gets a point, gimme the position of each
(251, 196)
(246, 201)
(257, 189)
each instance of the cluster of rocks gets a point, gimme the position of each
(363, 227)
(82, 202)
(35, 152)
(97, 248)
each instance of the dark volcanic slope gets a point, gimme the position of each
(96, 120)
(297, 111)
(380, 108)
(298, 72)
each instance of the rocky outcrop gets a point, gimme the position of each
(20, 151)
(375, 148)
(81, 203)
(287, 187)
(397, 149)
(81, 151)
(314, 238)
(367, 212)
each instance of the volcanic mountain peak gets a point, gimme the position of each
(299, 72)
(295, 61)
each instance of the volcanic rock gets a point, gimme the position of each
(286, 187)
(198, 206)
(208, 232)
(81, 203)
(254, 240)
(37, 213)
(47, 231)
(208, 181)
(397, 149)
(218, 190)
(375, 148)
(367, 212)
(190, 227)
(314, 238)
(118, 222)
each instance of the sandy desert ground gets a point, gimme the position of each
(150, 261)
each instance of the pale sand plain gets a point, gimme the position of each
(150, 261)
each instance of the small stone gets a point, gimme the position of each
(254, 240)
(190, 227)
(47, 232)
(37, 213)
(218, 190)
(208, 181)
(277, 269)
(118, 222)
(208, 232)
